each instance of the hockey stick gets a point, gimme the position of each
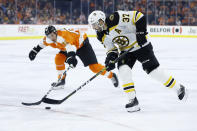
(53, 101)
(43, 98)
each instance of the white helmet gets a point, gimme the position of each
(95, 16)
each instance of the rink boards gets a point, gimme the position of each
(18, 32)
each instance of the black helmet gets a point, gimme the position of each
(50, 29)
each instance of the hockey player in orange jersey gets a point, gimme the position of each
(71, 44)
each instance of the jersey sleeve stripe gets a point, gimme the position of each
(139, 16)
(136, 14)
(133, 19)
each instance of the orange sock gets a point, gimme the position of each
(110, 75)
(59, 61)
(98, 67)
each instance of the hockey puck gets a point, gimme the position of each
(47, 108)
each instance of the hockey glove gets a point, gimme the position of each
(34, 52)
(71, 59)
(109, 61)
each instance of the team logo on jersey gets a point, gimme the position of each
(111, 17)
(122, 41)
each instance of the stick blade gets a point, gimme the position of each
(31, 104)
(51, 101)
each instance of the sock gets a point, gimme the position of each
(167, 80)
(126, 79)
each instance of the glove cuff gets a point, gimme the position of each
(112, 54)
(37, 49)
(71, 54)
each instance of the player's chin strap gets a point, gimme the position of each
(44, 97)
(53, 101)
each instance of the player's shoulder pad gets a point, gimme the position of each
(141, 23)
(112, 19)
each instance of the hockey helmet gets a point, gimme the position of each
(50, 29)
(95, 17)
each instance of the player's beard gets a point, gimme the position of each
(100, 29)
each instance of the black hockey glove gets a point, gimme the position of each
(109, 61)
(71, 59)
(34, 52)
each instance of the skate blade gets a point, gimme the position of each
(58, 88)
(133, 109)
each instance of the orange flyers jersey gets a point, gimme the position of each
(67, 39)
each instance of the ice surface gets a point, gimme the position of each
(98, 106)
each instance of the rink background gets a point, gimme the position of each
(99, 106)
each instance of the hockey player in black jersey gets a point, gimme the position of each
(121, 31)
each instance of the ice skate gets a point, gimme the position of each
(58, 85)
(114, 80)
(133, 105)
(182, 93)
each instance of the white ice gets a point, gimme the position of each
(98, 106)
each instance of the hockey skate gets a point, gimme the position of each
(58, 85)
(182, 93)
(114, 80)
(133, 105)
